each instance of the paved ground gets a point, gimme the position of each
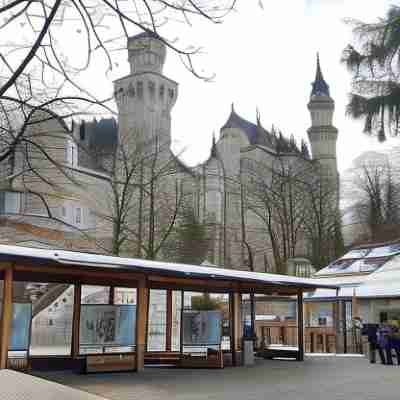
(327, 378)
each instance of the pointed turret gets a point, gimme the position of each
(214, 152)
(322, 134)
(319, 86)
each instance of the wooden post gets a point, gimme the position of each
(339, 345)
(354, 305)
(141, 323)
(235, 327)
(300, 327)
(111, 297)
(168, 341)
(76, 318)
(6, 317)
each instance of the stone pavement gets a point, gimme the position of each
(327, 378)
(18, 386)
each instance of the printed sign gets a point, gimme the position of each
(107, 325)
(201, 327)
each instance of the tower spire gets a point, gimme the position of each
(319, 86)
(214, 147)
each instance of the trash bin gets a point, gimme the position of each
(247, 351)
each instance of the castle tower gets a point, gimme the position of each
(322, 134)
(145, 97)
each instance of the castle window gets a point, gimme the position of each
(131, 90)
(171, 93)
(78, 215)
(152, 88)
(82, 131)
(139, 89)
(162, 90)
(63, 212)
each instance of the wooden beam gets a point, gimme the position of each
(141, 323)
(5, 265)
(74, 273)
(76, 317)
(6, 317)
(199, 282)
(300, 327)
(168, 341)
(234, 311)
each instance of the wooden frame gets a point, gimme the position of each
(6, 316)
(16, 267)
(300, 327)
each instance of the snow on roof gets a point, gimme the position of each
(383, 281)
(138, 265)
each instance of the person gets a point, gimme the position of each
(384, 333)
(370, 330)
(394, 338)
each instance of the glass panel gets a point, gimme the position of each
(91, 294)
(384, 251)
(368, 264)
(245, 312)
(223, 301)
(157, 324)
(320, 314)
(276, 321)
(340, 265)
(125, 296)
(107, 328)
(51, 330)
(201, 301)
(176, 320)
(356, 253)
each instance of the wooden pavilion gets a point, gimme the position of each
(23, 264)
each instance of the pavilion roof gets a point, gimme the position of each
(58, 258)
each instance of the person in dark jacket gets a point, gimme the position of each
(370, 330)
(384, 341)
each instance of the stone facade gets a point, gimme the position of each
(145, 99)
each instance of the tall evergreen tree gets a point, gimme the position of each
(374, 63)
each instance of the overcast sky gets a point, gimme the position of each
(266, 58)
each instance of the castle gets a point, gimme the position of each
(145, 99)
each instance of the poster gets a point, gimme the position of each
(21, 321)
(201, 327)
(108, 325)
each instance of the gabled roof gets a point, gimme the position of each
(255, 133)
(236, 121)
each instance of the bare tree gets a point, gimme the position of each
(297, 207)
(144, 197)
(41, 71)
(274, 196)
(377, 209)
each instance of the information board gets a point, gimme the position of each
(107, 325)
(201, 327)
(20, 328)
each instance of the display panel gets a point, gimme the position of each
(20, 328)
(107, 325)
(201, 327)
